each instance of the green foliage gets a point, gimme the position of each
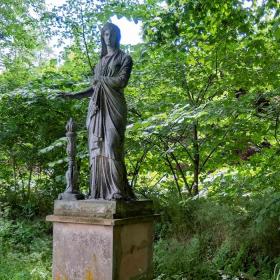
(25, 250)
(205, 240)
(32, 141)
(19, 38)
(197, 68)
(202, 137)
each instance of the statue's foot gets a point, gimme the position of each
(117, 196)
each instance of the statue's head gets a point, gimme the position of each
(110, 35)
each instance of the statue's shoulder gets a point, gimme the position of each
(125, 57)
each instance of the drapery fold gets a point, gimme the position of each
(106, 123)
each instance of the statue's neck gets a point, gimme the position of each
(110, 50)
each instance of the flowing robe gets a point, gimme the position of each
(106, 123)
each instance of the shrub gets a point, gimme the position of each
(25, 250)
(212, 238)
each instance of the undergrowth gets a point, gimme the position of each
(25, 250)
(218, 239)
(196, 239)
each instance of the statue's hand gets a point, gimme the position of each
(96, 79)
(65, 95)
(94, 82)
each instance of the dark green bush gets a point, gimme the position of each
(25, 250)
(211, 239)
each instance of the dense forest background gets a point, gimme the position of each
(202, 140)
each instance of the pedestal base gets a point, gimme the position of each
(96, 248)
(71, 196)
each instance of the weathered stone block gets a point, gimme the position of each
(103, 208)
(92, 248)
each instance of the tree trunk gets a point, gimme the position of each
(174, 176)
(196, 158)
(29, 182)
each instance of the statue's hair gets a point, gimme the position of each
(113, 28)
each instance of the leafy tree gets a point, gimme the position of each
(204, 109)
(199, 59)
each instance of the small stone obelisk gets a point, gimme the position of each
(72, 189)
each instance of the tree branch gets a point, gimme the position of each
(202, 93)
(181, 172)
(213, 150)
(187, 151)
(138, 166)
(84, 39)
(174, 175)
(276, 129)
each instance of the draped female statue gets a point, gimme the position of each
(106, 119)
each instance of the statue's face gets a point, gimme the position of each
(110, 38)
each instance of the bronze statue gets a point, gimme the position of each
(106, 119)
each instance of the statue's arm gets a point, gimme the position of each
(84, 93)
(78, 95)
(121, 79)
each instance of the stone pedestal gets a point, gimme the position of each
(102, 240)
